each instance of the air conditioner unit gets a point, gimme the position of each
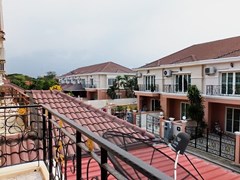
(167, 72)
(210, 70)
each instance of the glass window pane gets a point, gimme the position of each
(229, 119)
(180, 83)
(185, 83)
(237, 88)
(177, 83)
(230, 83)
(236, 120)
(224, 83)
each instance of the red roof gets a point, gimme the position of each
(208, 171)
(17, 148)
(211, 50)
(94, 119)
(107, 67)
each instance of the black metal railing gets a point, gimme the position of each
(217, 90)
(215, 143)
(150, 88)
(155, 147)
(20, 134)
(152, 124)
(90, 85)
(62, 144)
(169, 88)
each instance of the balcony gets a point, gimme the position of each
(37, 133)
(148, 88)
(223, 90)
(168, 88)
(90, 86)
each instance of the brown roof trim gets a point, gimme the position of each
(224, 48)
(106, 67)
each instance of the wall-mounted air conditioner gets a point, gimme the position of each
(167, 72)
(210, 70)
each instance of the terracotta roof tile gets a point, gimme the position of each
(211, 50)
(94, 119)
(107, 67)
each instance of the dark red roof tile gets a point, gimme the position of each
(211, 50)
(109, 67)
(85, 115)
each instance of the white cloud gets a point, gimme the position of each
(66, 34)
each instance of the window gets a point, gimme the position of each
(184, 110)
(149, 82)
(111, 81)
(155, 105)
(182, 83)
(232, 120)
(91, 81)
(230, 83)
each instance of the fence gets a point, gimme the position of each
(153, 125)
(215, 143)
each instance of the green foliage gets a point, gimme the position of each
(111, 92)
(128, 83)
(196, 108)
(40, 83)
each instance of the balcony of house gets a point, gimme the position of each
(149, 87)
(91, 86)
(148, 90)
(223, 90)
(176, 88)
(37, 142)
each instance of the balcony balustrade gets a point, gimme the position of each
(223, 90)
(90, 86)
(150, 88)
(168, 88)
(38, 133)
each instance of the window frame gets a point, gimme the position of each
(181, 109)
(232, 119)
(180, 84)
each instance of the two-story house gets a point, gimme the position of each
(91, 82)
(213, 66)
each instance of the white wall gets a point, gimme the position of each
(102, 103)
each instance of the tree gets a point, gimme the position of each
(196, 107)
(130, 84)
(40, 83)
(111, 92)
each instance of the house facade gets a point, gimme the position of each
(92, 82)
(214, 67)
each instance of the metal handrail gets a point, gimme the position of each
(136, 163)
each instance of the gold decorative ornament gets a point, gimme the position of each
(22, 111)
(90, 145)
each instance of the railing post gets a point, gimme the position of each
(237, 148)
(103, 161)
(153, 120)
(44, 134)
(195, 144)
(207, 141)
(50, 156)
(140, 119)
(78, 156)
(220, 144)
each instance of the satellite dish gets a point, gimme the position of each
(180, 143)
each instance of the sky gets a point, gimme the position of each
(63, 35)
